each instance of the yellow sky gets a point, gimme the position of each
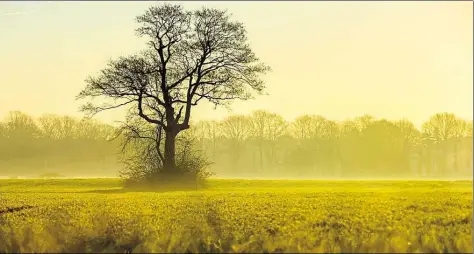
(336, 59)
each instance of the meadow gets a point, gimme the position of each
(96, 215)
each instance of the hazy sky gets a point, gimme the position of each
(336, 59)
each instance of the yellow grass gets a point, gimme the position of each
(95, 215)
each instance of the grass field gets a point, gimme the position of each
(95, 215)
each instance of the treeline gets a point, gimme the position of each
(261, 144)
(56, 144)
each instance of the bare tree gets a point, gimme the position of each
(190, 56)
(443, 131)
(412, 145)
(236, 132)
(21, 126)
(211, 132)
(266, 128)
(310, 126)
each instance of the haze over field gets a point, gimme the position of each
(338, 71)
(358, 140)
(335, 59)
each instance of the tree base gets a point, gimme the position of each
(168, 181)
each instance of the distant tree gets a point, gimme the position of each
(383, 149)
(50, 125)
(21, 131)
(212, 133)
(312, 133)
(3, 140)
(348, 149)
(312, 146)
(362, 122)
(412, 144)
(469, 129)
(207, 133)
(443, 126)
(190, 56)
(442, 133)
(55, 143)
(467, 149)
(409, 131)
(95, 130)
(266, 129)
(21, 126)
(329, 145)
(236, 132)
(309, 126)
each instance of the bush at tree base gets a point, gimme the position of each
(143, 168)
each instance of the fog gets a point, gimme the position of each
(341, 104)
(262, 145)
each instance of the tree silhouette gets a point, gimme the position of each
(265, 129)
(236, 131)
(383, 148)
(443, 132)
(210, 132)
(190, 56)
(72, 146)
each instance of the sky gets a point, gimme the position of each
(336, 59)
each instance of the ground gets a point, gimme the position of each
(95, 215)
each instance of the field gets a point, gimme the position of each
(95, 215)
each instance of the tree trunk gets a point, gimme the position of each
(420, 162)
(455, 155)
(170, 152)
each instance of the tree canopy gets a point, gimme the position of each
(190, 56)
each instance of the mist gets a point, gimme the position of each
(261, 145)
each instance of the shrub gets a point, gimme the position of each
(143, 167)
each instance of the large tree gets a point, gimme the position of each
(190, 56)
